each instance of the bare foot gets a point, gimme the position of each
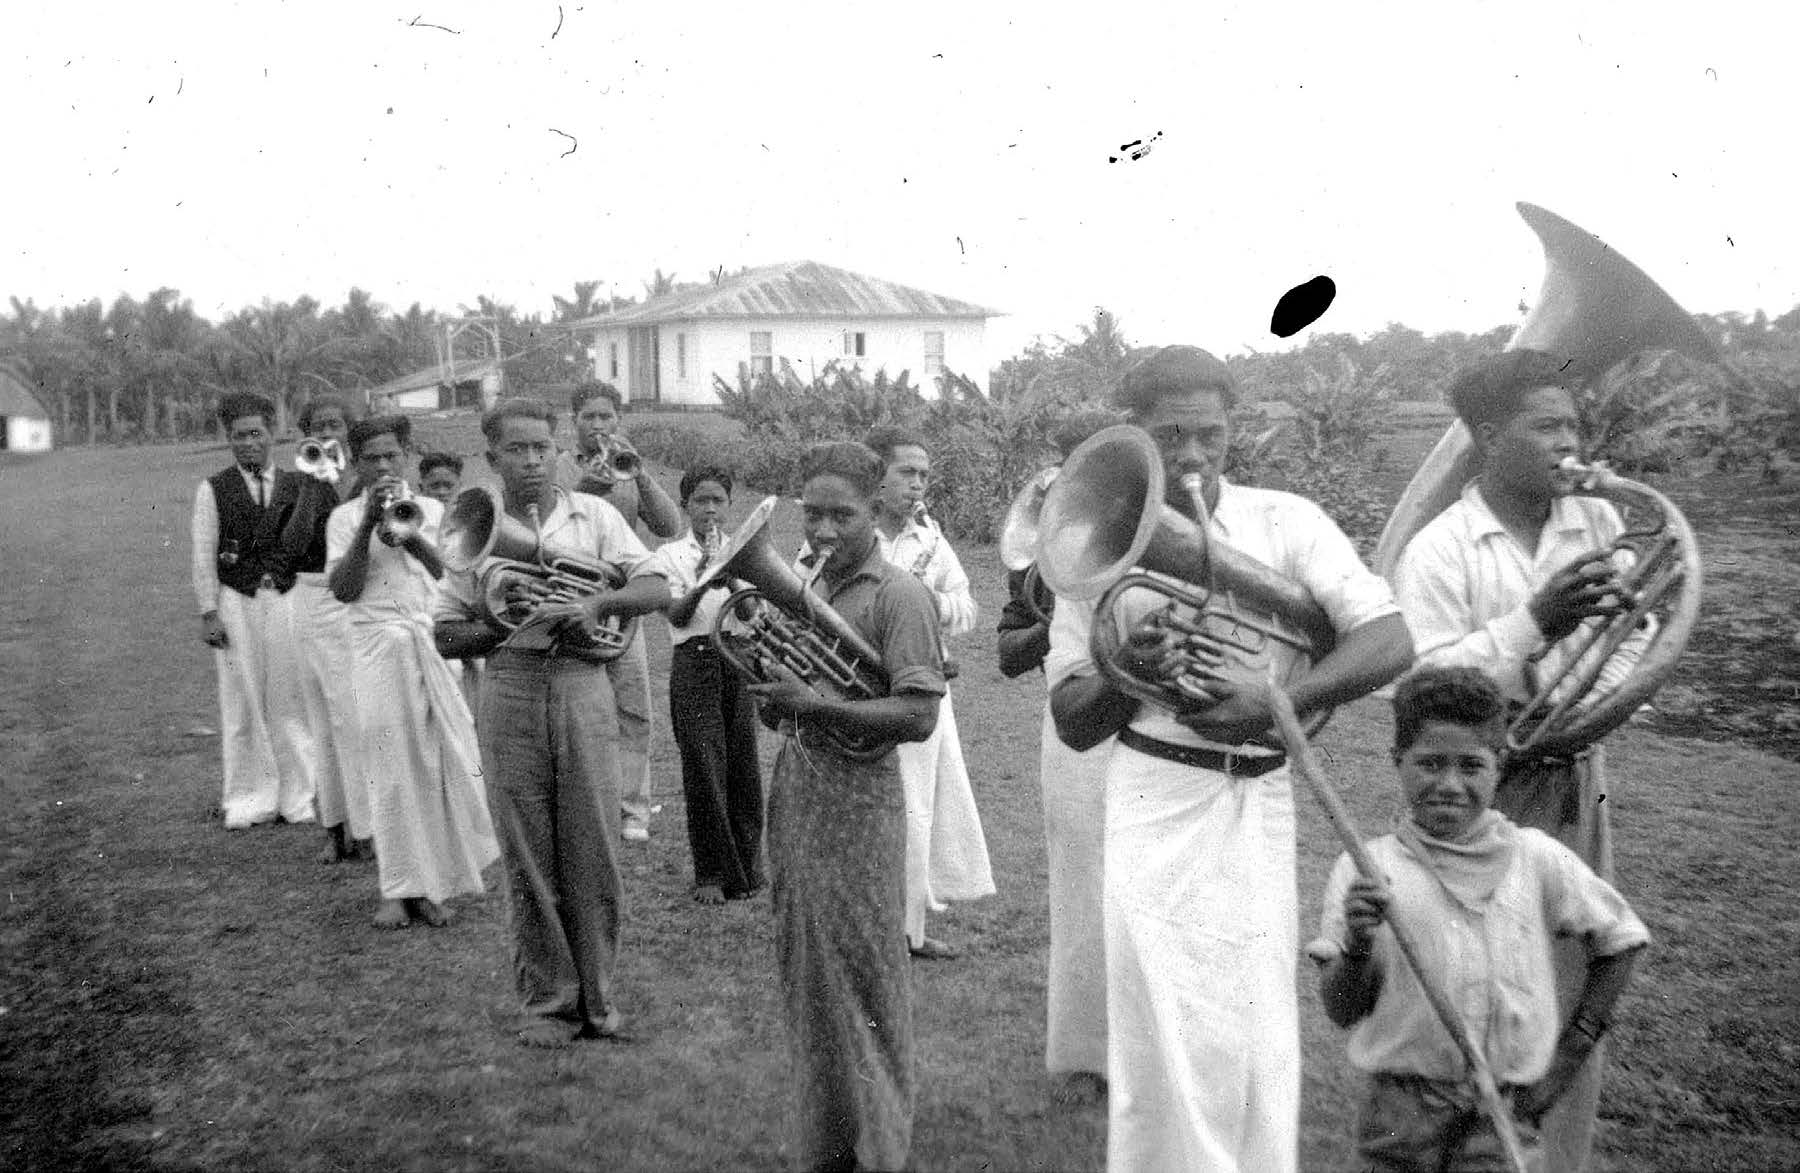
(1082, 1089)
(932, 949)
(392, 915)
(708, 894)
(362, 849)
(435, 915)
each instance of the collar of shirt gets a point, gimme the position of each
(565, 511)
(266, 475)
(1565, 517)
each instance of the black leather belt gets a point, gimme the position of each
(1233, 765)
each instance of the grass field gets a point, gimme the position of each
(174, 997)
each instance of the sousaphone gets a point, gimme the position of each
(1595, 309)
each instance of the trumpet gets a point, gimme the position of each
(322, 460)
(402, 518)
(518, 575)
(615, 461)
(710, 547)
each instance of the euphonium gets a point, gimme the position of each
(1595, 309)
(781, 621)
(320, 459)
(1104, 529)
(1659, 595)
(517, 574)
(1019, 541)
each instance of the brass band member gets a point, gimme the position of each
(837, 839)
(1200, 907)
(550, 747)
(1516, 564)
(946, 852)
(340, 798)
(241, 582)
(637, 497)
(1073, 784)
(415, 737)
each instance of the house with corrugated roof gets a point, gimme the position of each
(24, 420)
(459, 382)
(800, 315)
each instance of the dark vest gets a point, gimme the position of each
(256, 532)
(303, 531)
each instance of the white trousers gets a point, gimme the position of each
(1201, 940)
(1074, 786)
(266, 743)
(630, 677)
(324, 635)
(946, 852)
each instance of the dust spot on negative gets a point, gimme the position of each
(1302, 305)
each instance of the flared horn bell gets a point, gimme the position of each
(1019, 531)
(1102, 513)
(750, 553)
(477, 526)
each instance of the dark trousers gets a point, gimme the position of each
(550, 752)
(715, 729)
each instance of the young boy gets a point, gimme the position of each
(1483, 900)
(440, 475)
(714, 722)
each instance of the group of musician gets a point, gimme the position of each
(1169, 826)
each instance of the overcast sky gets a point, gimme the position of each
(437, 151)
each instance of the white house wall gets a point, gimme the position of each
(27, 434)
(718, 346)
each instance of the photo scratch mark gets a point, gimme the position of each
(1731, 242)
(559, 20)
(572, 142)
(419, 22)
(960, 248)
(179, 86)
(1137, 148)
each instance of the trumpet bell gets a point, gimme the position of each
(320, 459)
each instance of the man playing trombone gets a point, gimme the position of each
(606, 465)
(1200, 907)
(550, 744)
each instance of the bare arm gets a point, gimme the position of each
(905, 716)
(1606, 980)
(458, 639)
(1350, 982)
(657, 509)
(1023, 648)
(426, 553)
(351, 573)
(1087, 710)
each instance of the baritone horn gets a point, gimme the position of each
(1595, 309)
(516, 574)
(1104, 529)
(779, 620)
(323, 460)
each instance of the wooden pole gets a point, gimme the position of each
(1306, 765)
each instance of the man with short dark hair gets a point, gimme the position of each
(946, 851)
(550, 742)
(1200, 910)
(598, 428)
(242, 577)
(1503, 576)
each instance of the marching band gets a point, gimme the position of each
(1179, 619)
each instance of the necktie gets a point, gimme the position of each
(261, 503)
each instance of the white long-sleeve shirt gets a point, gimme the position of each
(206, 533)
(923, 552)
(1465, 586)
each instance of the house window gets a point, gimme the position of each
(855, 343)
(681, 356)
(612, 360)
(934, 353)
(762, 353)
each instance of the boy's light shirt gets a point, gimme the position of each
(942, 573)
(679, 561)
(1495, 963)
(1465, 586)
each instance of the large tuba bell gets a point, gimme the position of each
(1595, 309)
(780, 620)
(516, 574)
(1104, 529)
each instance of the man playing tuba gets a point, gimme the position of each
(1510, 569)
(1200, 908)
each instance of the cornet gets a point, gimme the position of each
(615, 461)
(401, 517)
(322, 460)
